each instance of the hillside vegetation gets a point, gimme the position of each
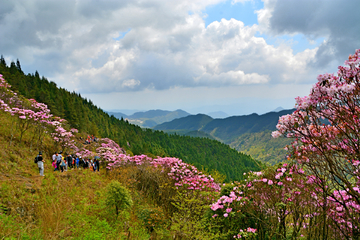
(314, 195)
(77, 204)
(83, 115)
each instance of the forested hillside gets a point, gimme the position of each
(85, 116)
(250, 134)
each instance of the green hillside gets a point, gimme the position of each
(250, 134)
(80, 204)
(229, 128)
(85, 116)
(190, 123)
(194, 133)
(262, 146)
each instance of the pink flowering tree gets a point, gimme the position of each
(29, 114)
(326, 131)
(63, 137)
(278, 203)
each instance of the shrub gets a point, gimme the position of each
(118, 196)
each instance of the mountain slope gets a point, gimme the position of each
(190, 123)
(118, 115)
(229, 128)
(250, 134)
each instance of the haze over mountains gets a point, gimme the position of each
(151, 118)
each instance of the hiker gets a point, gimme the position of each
(81, 162)
(77, 161)
(97, 164)
(73, 160)
(91, 167)
(54, 164)
(58, 161)
(69, 160)
(40, 163)
(62, 165)
(86, 164)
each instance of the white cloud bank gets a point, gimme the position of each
(135, 45)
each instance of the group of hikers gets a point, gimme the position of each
(62, 164)
(89, 139)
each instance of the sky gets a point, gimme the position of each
(201, 56)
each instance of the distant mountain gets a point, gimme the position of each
(278, 109)
(159, 114)
(118, 115)
(128, 112)
(232, 127)
(189, 123)
(151, 118)
(218, 114)
(252, 131)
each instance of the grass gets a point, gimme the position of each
(72, 204)
(69, 205)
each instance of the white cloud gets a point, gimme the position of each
(130, 83)
(166, 45)
(239, 1)
(337, 21)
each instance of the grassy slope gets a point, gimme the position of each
(67, 205)
(72, 205)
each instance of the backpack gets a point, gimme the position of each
(36, 159)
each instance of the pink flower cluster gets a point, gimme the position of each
(245, 233)
(326, 128)
(224, 202)
(184, 174)
(31, 111)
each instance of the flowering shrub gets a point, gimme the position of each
(31, 114)
(326, 128)
(269, 201)
(185, 175)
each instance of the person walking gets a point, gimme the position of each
(58, 162)
(77, 162)
(40, 163)
(69, 160)
(54, 158)
(97, 164)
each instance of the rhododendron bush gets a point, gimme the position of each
(29, 114)
(184, 175)
(325, 128)
(280, 203)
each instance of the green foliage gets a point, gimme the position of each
(189, 220)
(262, 146)
(152, 217)
(118, 196)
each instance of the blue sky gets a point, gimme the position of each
(244, 12)
(236, 56)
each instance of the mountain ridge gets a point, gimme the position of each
(250, 134)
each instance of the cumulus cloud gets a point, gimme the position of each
(132, 45)
(336, 20)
